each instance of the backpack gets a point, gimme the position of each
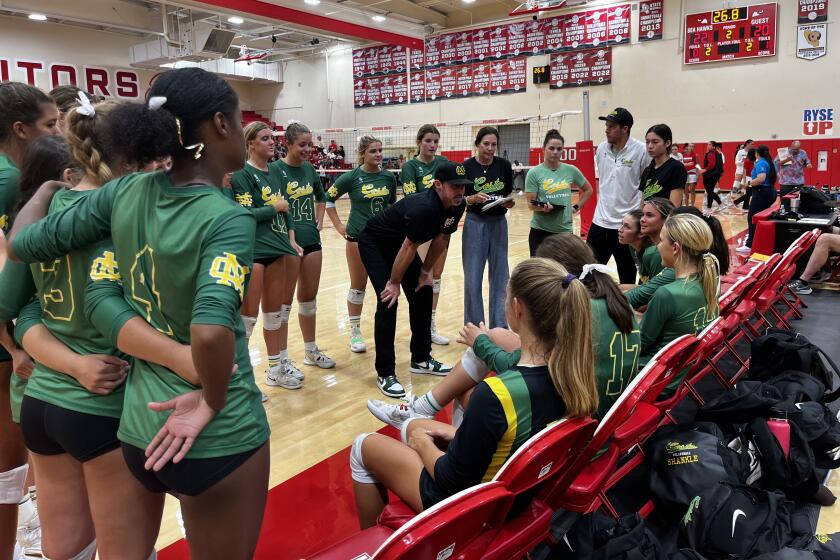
(797, 386)
(684, 459)
(598, 537)
(794, 475)
(819, 427)
(737, 521)
(740, 404)
(781, 350)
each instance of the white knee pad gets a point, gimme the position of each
(436, 286)
(249, 323)
(13, 485)
(273, 320)
(357, 467)
(474, 366)
(307, 308)
(87, 553)
(356, 297)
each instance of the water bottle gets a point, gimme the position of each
(779, 427)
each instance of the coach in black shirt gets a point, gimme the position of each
(388, 247)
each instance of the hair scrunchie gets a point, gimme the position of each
(568, 279)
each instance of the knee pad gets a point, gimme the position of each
(87, 553)
(307, 308)
(474, 366)
(357, 467)
(249, 323)
(356, 297)
(13, 485)
(273, 320)
(436, 286)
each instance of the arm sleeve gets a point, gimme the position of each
(474, 444)
(74, 227)
(105, 304)
(227, 255)
(496, 359)
(640, 295)
(246, 197)
(531, 183)
(339, 188)
(660, 309)
(30, 315)
(17, 287)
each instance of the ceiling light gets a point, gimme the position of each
(378, 19)
(467, 1)
(236, 20)
(312, 2)
(38, 17)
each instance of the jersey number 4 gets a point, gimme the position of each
(144, 290)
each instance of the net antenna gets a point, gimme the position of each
(536, 6)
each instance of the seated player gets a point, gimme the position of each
(550, 381)
(827, 243)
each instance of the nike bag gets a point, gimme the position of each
(740, 404)
(685, 459)
(794, 475)
(819, 427)
(598, 537)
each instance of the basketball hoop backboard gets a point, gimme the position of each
(536, 6)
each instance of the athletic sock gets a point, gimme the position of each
(274, 361)
(283, 355)
(355, 321)
(426, 405)
(310, 346)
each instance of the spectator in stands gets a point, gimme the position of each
(547, 381)
(319, 143)
(791, 168)
(827, 243)
(688, 304)
(711, 172)
(689, 160)
(763, 187)
(333, 146)
(620, 161)
(665, 177)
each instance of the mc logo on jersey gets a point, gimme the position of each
(818, 122)
(227, 271)
(448, 222)
(105, 268)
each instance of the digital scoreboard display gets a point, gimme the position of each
(733, 33)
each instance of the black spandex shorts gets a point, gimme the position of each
(430, 494)
(351, 239)
(190, 476)
(311, 248)
(268, 261)
(52, 430)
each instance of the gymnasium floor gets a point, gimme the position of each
(311, 503)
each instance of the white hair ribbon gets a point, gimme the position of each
(156, 102)
(85, 107)
(587, 268)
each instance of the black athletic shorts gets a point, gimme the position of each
(51, 430)
(351, 239)
(311, 248)
(190, 476)
(430, 494)
(267, 261)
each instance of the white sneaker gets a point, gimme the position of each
(278, 376)
(438, 338)
(357, 341)
(29, 531)
(318, 358)
(392, 414)
(743, 250)
(292, 369)
(263, 396)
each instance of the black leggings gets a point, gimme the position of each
(604, 243)
(709, 183)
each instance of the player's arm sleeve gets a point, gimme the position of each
(105, 305)
(640, 295)
(227, 255)
(471, 450)
(29, 316)
(496, 359)
(74, 227)
(247, 198)
(660, 309)
(17, 289)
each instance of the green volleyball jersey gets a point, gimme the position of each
(640, 295)
(675, 309)
(302, 188)
(649, 265)
(554, 186)
(257, 190)
(370, 194)
(18, 289)
(9, 191)
(185, 255)
(616, 355)
(417, 176)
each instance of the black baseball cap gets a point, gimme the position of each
(453, 174)
(620, 116)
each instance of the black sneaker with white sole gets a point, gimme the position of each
(800, 287)
(430, 367)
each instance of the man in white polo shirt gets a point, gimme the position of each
(620, 161)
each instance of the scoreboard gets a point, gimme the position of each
(733, 33)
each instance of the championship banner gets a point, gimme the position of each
(812, 11)
(811, 41)
(651, 14)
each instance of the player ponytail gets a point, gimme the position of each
(559, 310)
(763, 152)
(423, 131)
(574, 254)
(85, 135)
(695, 240)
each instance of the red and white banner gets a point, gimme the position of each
(433, 85)
(596, 28)
(508, 76)
(448, 82)
(481, 78)
(535, 37)
(359, 62)
(618, 24)
(417, 60)
(464, 47)
(650, 19)
(582, 68)
(499, 41)
(464, 80)
(516, 39)
(448, 50)
(575, 31)
(555, 33)
(417, 88)
(392, 59)
(812, 11)
(432, 52)
(108, 82)
(481, 44)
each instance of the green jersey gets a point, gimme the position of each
(18, 289)
(257, 190)
(496, 359)
(555, 187)
(640, 295)
(302, 188)
(185, 255)
(61, 291)
(616, 355)
(370, 194)
(9, 191)
(650, 263)
(417, 176)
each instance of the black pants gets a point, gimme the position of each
(379, 261)
(604, 243)
(762, 199)
(535, 239)
(709, 183)
(785, 189)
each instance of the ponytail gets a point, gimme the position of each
(720, 248)
(87, 142)
(695, 239)
(709, 271)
